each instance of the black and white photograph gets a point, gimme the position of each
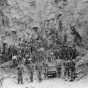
(43, 43)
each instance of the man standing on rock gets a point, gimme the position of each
(72, 70)
(31, 72)
(30, 68)
(20, 74)
(39, 72)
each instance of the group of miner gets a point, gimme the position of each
(26, 57)
(68, 63)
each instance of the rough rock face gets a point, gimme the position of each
(21, 15)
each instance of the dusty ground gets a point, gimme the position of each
(51, 83)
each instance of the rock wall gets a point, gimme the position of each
(21, 15)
